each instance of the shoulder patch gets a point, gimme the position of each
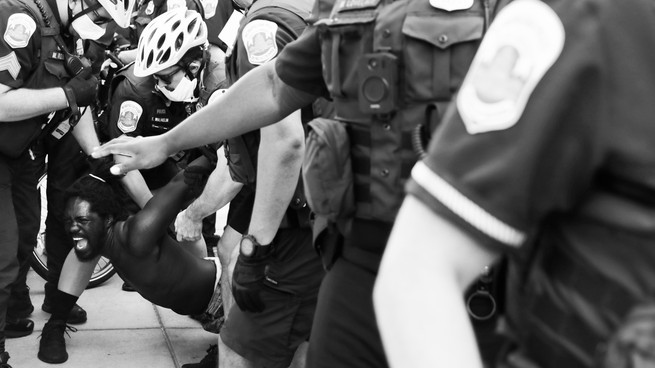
(521, 45)
(210, 7)
(20, 28)
(259, 39)
(174, 4)
(10, 64)
(451, 5)
(129, 115)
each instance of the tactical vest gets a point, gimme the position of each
(15, 137)
(391, 70)
(243, 164)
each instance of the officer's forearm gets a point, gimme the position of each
(85, 133)
(278, 167)
(258, 99)
(22, 103)
(218, 192)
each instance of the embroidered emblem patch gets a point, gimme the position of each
(128, 116)
(451, 5)
(10, 64)
(20, 28)
(174, 4)
(150, 8)
(259, 39)
(210, 7)
(521, 45)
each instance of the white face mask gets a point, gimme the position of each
(86, 29)
(184, 92)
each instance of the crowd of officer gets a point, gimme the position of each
(519, 130)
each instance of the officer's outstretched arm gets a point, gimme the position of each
(432, 261)
(258, 99)
(41, 101)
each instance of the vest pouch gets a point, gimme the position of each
(327, 175)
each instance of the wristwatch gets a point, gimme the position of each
(250, 247)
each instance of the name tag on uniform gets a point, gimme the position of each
(451, 5)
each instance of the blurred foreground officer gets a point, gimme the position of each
(42, 81)
(549, 155)
(354, 57)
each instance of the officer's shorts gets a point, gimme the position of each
(270, 338)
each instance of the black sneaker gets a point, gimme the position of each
(77, 315)
(52, 347)
(127, 286)
(18, 327)
(209, 361)
(4, 358)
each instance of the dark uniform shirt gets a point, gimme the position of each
(552, 133)
(19, 45)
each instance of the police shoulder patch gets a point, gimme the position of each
(521, 45)
(10, 64)
(210, 7)
(174, 4)
(20, 28)
(129, 115)
(259, 38)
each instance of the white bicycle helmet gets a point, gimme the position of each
(167, 38)
(120, 10)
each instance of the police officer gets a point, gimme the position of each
(541, 157)
(268, 164)
(351, 56)
(40, 66)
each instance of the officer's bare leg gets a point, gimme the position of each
(226, 246)
(75, 274)
(228, 358)
(300, 357)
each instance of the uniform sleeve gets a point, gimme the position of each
(19, 45)
(261, 40)
(299, 64)
(524, 137)
(128, 111)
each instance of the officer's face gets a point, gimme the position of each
(170, 77)
(87, 228)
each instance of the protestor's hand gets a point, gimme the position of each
(81, 91)
(186, 228)
(139, 152)
(248, 281)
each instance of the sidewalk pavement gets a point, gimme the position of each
(123, 331)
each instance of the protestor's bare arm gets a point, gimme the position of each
(279, 160)
(258, 99)
(433, 273)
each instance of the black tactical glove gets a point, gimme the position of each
(248, 280)
(81, 91)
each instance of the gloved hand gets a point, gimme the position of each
(81, 91)
(195, 177)
(248, 281)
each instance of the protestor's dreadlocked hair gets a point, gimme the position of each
(101, 189)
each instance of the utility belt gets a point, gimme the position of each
(363, 246)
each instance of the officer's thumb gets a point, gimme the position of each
(118, 169)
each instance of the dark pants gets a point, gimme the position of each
(27, 207)
(345, 332)
(9, 169)
(66, 163)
